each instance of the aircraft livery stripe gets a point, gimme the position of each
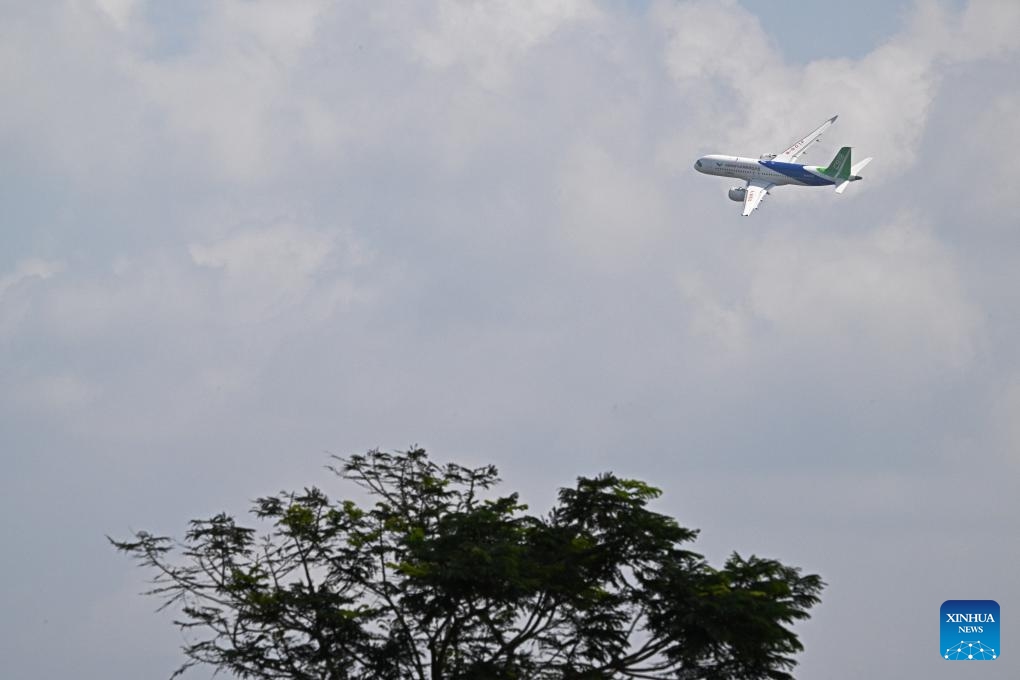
(798, 172)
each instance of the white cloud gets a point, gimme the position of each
(988, 29)
(16, 302)
(93, 306)
(228, 104)
(489, 37)
(267, 271)
(218, 109)
(282, 30)
(32, 268)
(283, 257)
(724, 325)
(988, 141)
(697, 30)
(892, 293)
(57, 121)
(119, 11)
(610, 213)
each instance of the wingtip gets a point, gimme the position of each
(833, 119)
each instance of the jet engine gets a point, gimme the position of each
(738, 194)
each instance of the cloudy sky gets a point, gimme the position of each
(238, 236)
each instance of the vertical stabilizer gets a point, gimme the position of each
(839, 168)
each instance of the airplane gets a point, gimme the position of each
(776, 169)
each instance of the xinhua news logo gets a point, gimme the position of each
(969, 630)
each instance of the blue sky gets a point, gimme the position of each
(236, 237)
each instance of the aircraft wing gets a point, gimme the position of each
(801, 145)
(756, 190)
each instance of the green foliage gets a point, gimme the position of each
(440, 579)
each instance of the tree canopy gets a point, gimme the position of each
(442, 578)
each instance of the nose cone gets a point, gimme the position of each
(699, 165)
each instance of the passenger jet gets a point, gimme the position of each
(773, 169)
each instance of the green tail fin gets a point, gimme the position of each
(839, 168)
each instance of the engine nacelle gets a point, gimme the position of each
(738, 194)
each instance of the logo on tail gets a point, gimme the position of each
(839, 168)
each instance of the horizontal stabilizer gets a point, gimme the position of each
(842, 185)
(856, 169)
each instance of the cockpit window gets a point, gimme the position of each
(698, 164)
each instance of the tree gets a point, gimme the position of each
(441, 579)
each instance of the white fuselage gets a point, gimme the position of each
(765, 170)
